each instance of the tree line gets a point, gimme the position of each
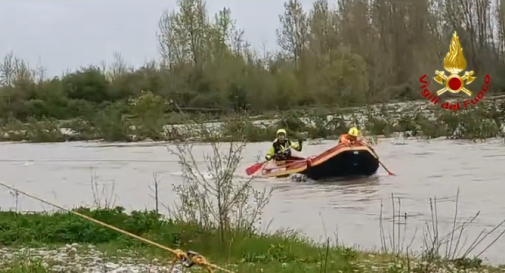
(357, 53)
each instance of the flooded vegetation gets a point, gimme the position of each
(485, 120)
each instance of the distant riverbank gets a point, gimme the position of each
(407, 119)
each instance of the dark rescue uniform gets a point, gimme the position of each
(282, 151)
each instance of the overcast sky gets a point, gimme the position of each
(63, 35)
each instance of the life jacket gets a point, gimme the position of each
(282, 148)
(344, 138)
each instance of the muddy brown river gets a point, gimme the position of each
(62, 173)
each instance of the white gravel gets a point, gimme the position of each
(81, 259)
(390, 111)
(77, 258)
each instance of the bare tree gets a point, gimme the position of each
(14, 71)
(8, 69)
(119, 67)
(211, 195)
(292, 36)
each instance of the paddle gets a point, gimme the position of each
(380, 162)
(256, 167)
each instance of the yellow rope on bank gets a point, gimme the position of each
(187, 259)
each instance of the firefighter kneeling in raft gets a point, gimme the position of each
(281, 147)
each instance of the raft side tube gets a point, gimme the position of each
(281, 169)
(342, 163)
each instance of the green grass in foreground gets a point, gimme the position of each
(240, 251)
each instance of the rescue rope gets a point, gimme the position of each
(187, 259)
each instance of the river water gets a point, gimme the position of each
(62, 173)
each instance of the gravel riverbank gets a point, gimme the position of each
(77, 258)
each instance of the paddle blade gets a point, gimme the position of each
(254, 168)
(386, 169)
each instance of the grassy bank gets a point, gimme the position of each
(148, 122)
(62, 241)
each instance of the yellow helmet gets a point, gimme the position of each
(281, 131)
(353, 132)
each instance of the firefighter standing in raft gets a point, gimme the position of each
(281, 147)
(350, 137)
